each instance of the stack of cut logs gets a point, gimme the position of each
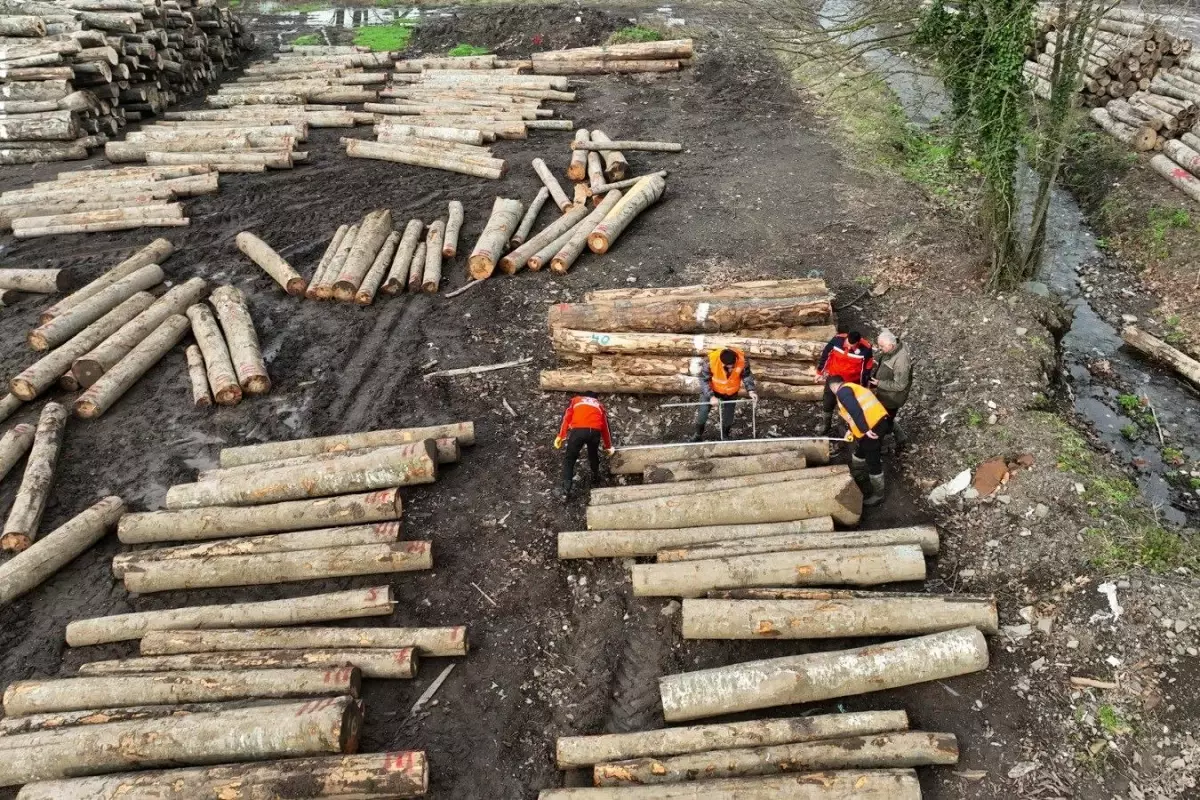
(743, 532)
(654, 340)
(226, 362)
(90, 201)
(310, 75)
(666, 56)
(77, 71)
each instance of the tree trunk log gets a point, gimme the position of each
(648, 542)
(673, 48)
(604, 67)
(431, 276)
(565, 256)
(584, 342)
(656, 147)
(372, 233)
(634, 460)
(358, 148)
(552, 185)
(89, 367)
(1163, 352)
(603, 496)
(881, 751)
(375, 275)
(702, 468)
(223, 161)
(644, 194)
(201, 396)
(543, 256)
(14, 444)
(65, 151)
(572, 752)
(460, 135)
(394, 664)
(822, 676)
(397, 277)
(577, 170)
(25, 516)
(242, 338)
(531, 215)
(506, 215)
(688, 316)
(70, 322)
(118, 380)
(326, 257)
(47, 126)
(875, 784)
(35, 723)
(454, 223)
(36, 281)
(36, 90)
(416, 269)
(615, 165)
(372, 776)
(370, 602)
(783, 372)
(881, 615)
(924, 536)
(41, 375)
(1179, 177)
(324, 288)
(281, 271)
(464, 432)
(587, 380)
(58, 548)
(1182, 154)
(520, 256)
(433, 642)
(329, 725)
(1139, 139)
(222, 378)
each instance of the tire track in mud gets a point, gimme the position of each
(362, 386)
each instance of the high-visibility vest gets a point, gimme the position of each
(726, 383)
(872, 409)
(848, 361)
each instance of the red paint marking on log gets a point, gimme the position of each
(372, 594)
(414, 547)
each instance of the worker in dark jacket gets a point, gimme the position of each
(847, 356)
(866, 419)
(892, 379)
(585, 424)
(722, 377)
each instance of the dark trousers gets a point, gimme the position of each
(577, 438)
(828, 401)
(871, 451)
(888, 425)
(728, 409)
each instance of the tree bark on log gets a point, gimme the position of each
(222, 378)
(365, 777)
(464, 432)
(201, 396)
(244, 350)
(728, 467)
(552, 185)
(36, 90)
(531, 215)
(506, 215)
(118, 380)
(41, 375)
(577, 242)
(623, 184)
(382, 532)
(689, 316)
(572, 752)
(605, 67)
(375, 275)
(577, 169)
(874, 784)
(615, 165)
(372, 233)
(625, 144)
(268, 568)
(673, 48)
(416, 269)
(431, 276)
(595, 170)
(881, 615)
(447, 134)
(25, 516)
(396, 664)
(323, 265)
(89, 367)
(863, 566)
(75, 694)
(370, 602)
(881, 751)
(47, 126)
(58, 548)
(1163, 352)
(582, 342)
(454, 223)
(66, 151)
(73, 320)
(519, 257)
(602, 496)
(925, 536)
(448, 452)
(36, 281)
(1139, 139)
(433, 642)
(644, 194)
(359, 148)
(604, 381)
(1179, 177)
(648, 542)
(822, 676)
(1182, 154)
(542, 256)
(323, 290)
(35, 723)
(14, 444)
(397, 277)
(634, 460)
(783, 372)
(371, 776)
(329, 725)
(271, 262)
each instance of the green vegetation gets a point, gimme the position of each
(1173, 456)
(939, 164)
(974, 418)
(384, 37)
(1194, 483)
(1171, 332)
(1159, 222)
(1111, 722)
(462, 49)
(634, 34)
(1129, 402)
(1095, 162)
(308, 39)
(1130, 431)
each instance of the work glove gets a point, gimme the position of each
(753, 397)
(558, 443)
(714, 402)
(849, 437)
(610, 452)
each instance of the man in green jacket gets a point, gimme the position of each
(892, 379)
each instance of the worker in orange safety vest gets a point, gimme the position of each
(722, 377)
(585, 424)
(866, 419)
(850, 357)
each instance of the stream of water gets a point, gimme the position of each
(1070, 246)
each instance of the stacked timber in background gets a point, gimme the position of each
(311, 75)
(77, 72)
(668, 56)
(744, 533)
(654, 340)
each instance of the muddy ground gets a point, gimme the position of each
(564, 648)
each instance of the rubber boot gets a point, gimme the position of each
(858, 470)
(898, 435)
(826, 424)
(698, 436)
(878, 490)
(566, 492)
(727, 433)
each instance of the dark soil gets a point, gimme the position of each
(516, 31)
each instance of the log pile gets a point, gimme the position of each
(309, 76)
(654, 340)
(90, 201)
(227, 350)
(76, 73)
(668, 56)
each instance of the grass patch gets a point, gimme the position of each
(635, 34)
(308, 39)
(462, 49)
(1159, 223)
(1112, 722)
(384, 37)
(316, 5)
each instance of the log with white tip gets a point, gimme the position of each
(102, 394)
(25, 515)
(493, 169)
(222, 378)
(454, 223)
(271, 262)
(634, 460)
(330, 250)
(236, 323)
(372, 233)
(37, 281)
(322, 288)
(577, 169)
(169, 215)
(441, 641)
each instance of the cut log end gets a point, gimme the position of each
(15, 542)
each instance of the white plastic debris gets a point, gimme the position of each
(955, 485)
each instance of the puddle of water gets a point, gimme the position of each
(1070, 244)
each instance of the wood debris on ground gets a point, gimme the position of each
(76, 73)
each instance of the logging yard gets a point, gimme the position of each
(293, 298)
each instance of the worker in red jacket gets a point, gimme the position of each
(584, 423)
(847, 356)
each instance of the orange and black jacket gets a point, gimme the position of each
(850, 362)
(586, 412)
